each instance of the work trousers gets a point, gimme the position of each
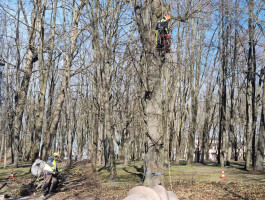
(49, 180)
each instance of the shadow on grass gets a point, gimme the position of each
(3, 185)
(232, 164)
(28, 189)
(235, 195)
(25, 165)
(261, 181)
(229, 190)
(237, 164)
(104, 168)
(140, 171)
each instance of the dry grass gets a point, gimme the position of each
(188, 182)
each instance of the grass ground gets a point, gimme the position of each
(188, 182)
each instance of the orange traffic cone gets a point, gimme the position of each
(223, 174)
(11, 174)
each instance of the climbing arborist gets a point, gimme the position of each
(162, 34)
(50, 172)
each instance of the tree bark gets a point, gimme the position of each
(22, 93)
(43, 78)
(152, 96)
(259, 166)
(194, 89)
(249, 92)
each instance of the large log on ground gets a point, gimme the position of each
(137, 197)
(148, 192)
(157, 192)
(161, 191)
(172, 195)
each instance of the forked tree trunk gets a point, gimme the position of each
(43, 80)
(23, 90)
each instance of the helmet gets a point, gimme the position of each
(166, 17)
(56, 154)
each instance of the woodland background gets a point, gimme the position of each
(84, 76)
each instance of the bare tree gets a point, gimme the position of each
(22, 93)
(250, 95)
(75, 32)
(261, 137)
(44, 72)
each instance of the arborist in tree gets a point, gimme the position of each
(50, 172)
(163, 35)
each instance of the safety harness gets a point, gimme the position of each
(162, 36)
(50, 166)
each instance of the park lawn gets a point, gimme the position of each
(188, 182)
(204, 182)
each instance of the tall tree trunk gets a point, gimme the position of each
(206, 125)
(176, 121)
(254, 102)
(96, 147)
(194, 88)
(232, 133)
(223, 105)
(2, 136)
(249, 94)
(152, 97)
(223, 74)
(22, 93)
(69, 123)
(259, 166)
(43, 79)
